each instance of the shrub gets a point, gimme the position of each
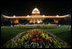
(36, 26)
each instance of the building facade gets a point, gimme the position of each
(35, 17)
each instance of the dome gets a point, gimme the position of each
(35, 11)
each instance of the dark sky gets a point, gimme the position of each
(20, 7)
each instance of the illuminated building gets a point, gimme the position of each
(35, 17)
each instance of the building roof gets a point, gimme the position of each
(33, 16)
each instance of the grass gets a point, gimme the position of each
(63, 32)
(7, 33)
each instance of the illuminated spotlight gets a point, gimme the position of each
(59, 25)
(11, 26)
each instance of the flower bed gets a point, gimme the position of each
(35, 39)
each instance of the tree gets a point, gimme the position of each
(4, 21)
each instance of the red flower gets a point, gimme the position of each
(34, 40)
(41, 40)
(37, 38)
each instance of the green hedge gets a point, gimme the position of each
(36, 26)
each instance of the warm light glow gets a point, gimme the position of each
(14, 16)
(27, 15)
(66, 15)
(43, 15)
(35, 11)
(38, 21)
(57, 16)
(16, 21)
(55, 21)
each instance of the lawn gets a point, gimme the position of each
(63, 32)
(7, 33)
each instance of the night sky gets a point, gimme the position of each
(20, 7)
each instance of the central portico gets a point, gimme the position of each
(35, 16)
